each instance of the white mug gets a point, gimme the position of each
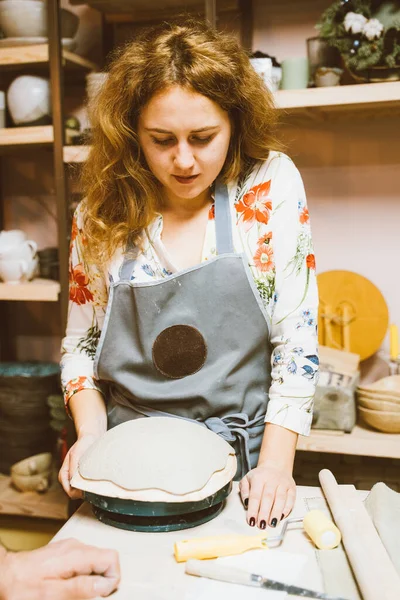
(10, 239)
(13, 270)
(263, 66)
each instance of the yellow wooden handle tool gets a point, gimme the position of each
(316, 523)
(219, 545)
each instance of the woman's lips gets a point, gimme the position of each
(185, 179)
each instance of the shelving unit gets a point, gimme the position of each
(21, 59)
(51, 55)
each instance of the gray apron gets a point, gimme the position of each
(194, 345)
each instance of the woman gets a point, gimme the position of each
(193, 289)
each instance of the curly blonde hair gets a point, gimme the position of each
(122, 195)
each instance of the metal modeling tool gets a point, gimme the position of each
(212, 570)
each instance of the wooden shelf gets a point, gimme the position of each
(360, 442)
(51, 505)
(75, 154)
(26, 136)
(39, 54)
(372, 96)
(364, 95)
(45, 290)
(143, 10)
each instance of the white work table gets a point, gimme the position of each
(149, 569)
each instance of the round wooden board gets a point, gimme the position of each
(367, 309)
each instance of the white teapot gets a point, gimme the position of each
(10, 239)
(18, 257)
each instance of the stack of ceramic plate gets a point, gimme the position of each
(379, 404)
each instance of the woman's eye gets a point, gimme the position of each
(194, 140)
(166, 142)
(199, 140)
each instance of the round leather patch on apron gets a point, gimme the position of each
(179, 351)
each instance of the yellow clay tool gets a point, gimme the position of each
(316, 523)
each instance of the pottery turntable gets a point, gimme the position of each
(157, 474)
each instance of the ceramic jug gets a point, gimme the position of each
(10, 239)
(13, 270)
(18, 257)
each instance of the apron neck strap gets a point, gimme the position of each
(223, 227)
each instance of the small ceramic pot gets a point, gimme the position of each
(28, 100)
(327, 76)
(32, 483)
(33, 474)
(33, 465)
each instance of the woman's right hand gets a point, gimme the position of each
(71, 462)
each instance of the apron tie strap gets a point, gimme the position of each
(235, 428)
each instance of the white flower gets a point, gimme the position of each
(372, 29)
(355, 22)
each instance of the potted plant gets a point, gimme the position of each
(367, 35)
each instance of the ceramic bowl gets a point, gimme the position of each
(32, 483)
(379, 405)
(387, 385)
(28, 18)
(379, 397)
(389, 421)
(33, 465)
(28, 99)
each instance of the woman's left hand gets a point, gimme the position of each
(268, 492)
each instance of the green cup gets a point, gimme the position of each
(295, 73)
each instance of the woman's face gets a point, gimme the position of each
(185, 138)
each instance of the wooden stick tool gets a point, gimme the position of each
(376, 575)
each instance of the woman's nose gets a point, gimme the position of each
(184, 158)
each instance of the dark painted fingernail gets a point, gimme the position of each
(252, 522)
(282, 517)
(263, 525)
(246, 502)
(274, 522)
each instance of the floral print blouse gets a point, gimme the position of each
(271, 225)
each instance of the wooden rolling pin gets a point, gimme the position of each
(375, 573)
(316, 523)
